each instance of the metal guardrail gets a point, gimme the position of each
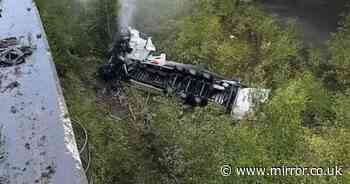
(82, 140)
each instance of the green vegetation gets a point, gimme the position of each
(339, 49)
(305, 123)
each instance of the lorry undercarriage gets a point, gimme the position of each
(132, 60)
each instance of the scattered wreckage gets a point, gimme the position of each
(13, 51)
(132, 60)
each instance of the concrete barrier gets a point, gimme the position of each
(37, 143)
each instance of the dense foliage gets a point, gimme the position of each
(151, 139)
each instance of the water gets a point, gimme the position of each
(316, 18)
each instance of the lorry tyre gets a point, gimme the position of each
(106, 73)
(198, 100)
(192, 72)
(183, 96)
(179, 68)
(207, 76)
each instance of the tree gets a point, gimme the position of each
(340, 54)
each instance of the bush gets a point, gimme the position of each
(242, 42)
(339, 48)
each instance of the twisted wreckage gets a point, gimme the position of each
(132, 60)
(13, 51)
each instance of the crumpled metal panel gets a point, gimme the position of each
(37, 143)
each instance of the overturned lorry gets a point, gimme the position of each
(132, 60)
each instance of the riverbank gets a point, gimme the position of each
(316, 19)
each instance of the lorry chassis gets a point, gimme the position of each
(132, 61)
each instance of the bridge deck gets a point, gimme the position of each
(37, 144)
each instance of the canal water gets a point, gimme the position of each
(317, 19)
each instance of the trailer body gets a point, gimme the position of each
(133, 60)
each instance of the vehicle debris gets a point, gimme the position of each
(3, 154)
(11, 86)
(13, 51)
(132, 60)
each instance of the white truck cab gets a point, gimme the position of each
(247, 99)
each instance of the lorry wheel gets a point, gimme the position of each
(106, 73)
(207, 76)
(201, 101)
(192, 72)
(179, 68)
(198, 100)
